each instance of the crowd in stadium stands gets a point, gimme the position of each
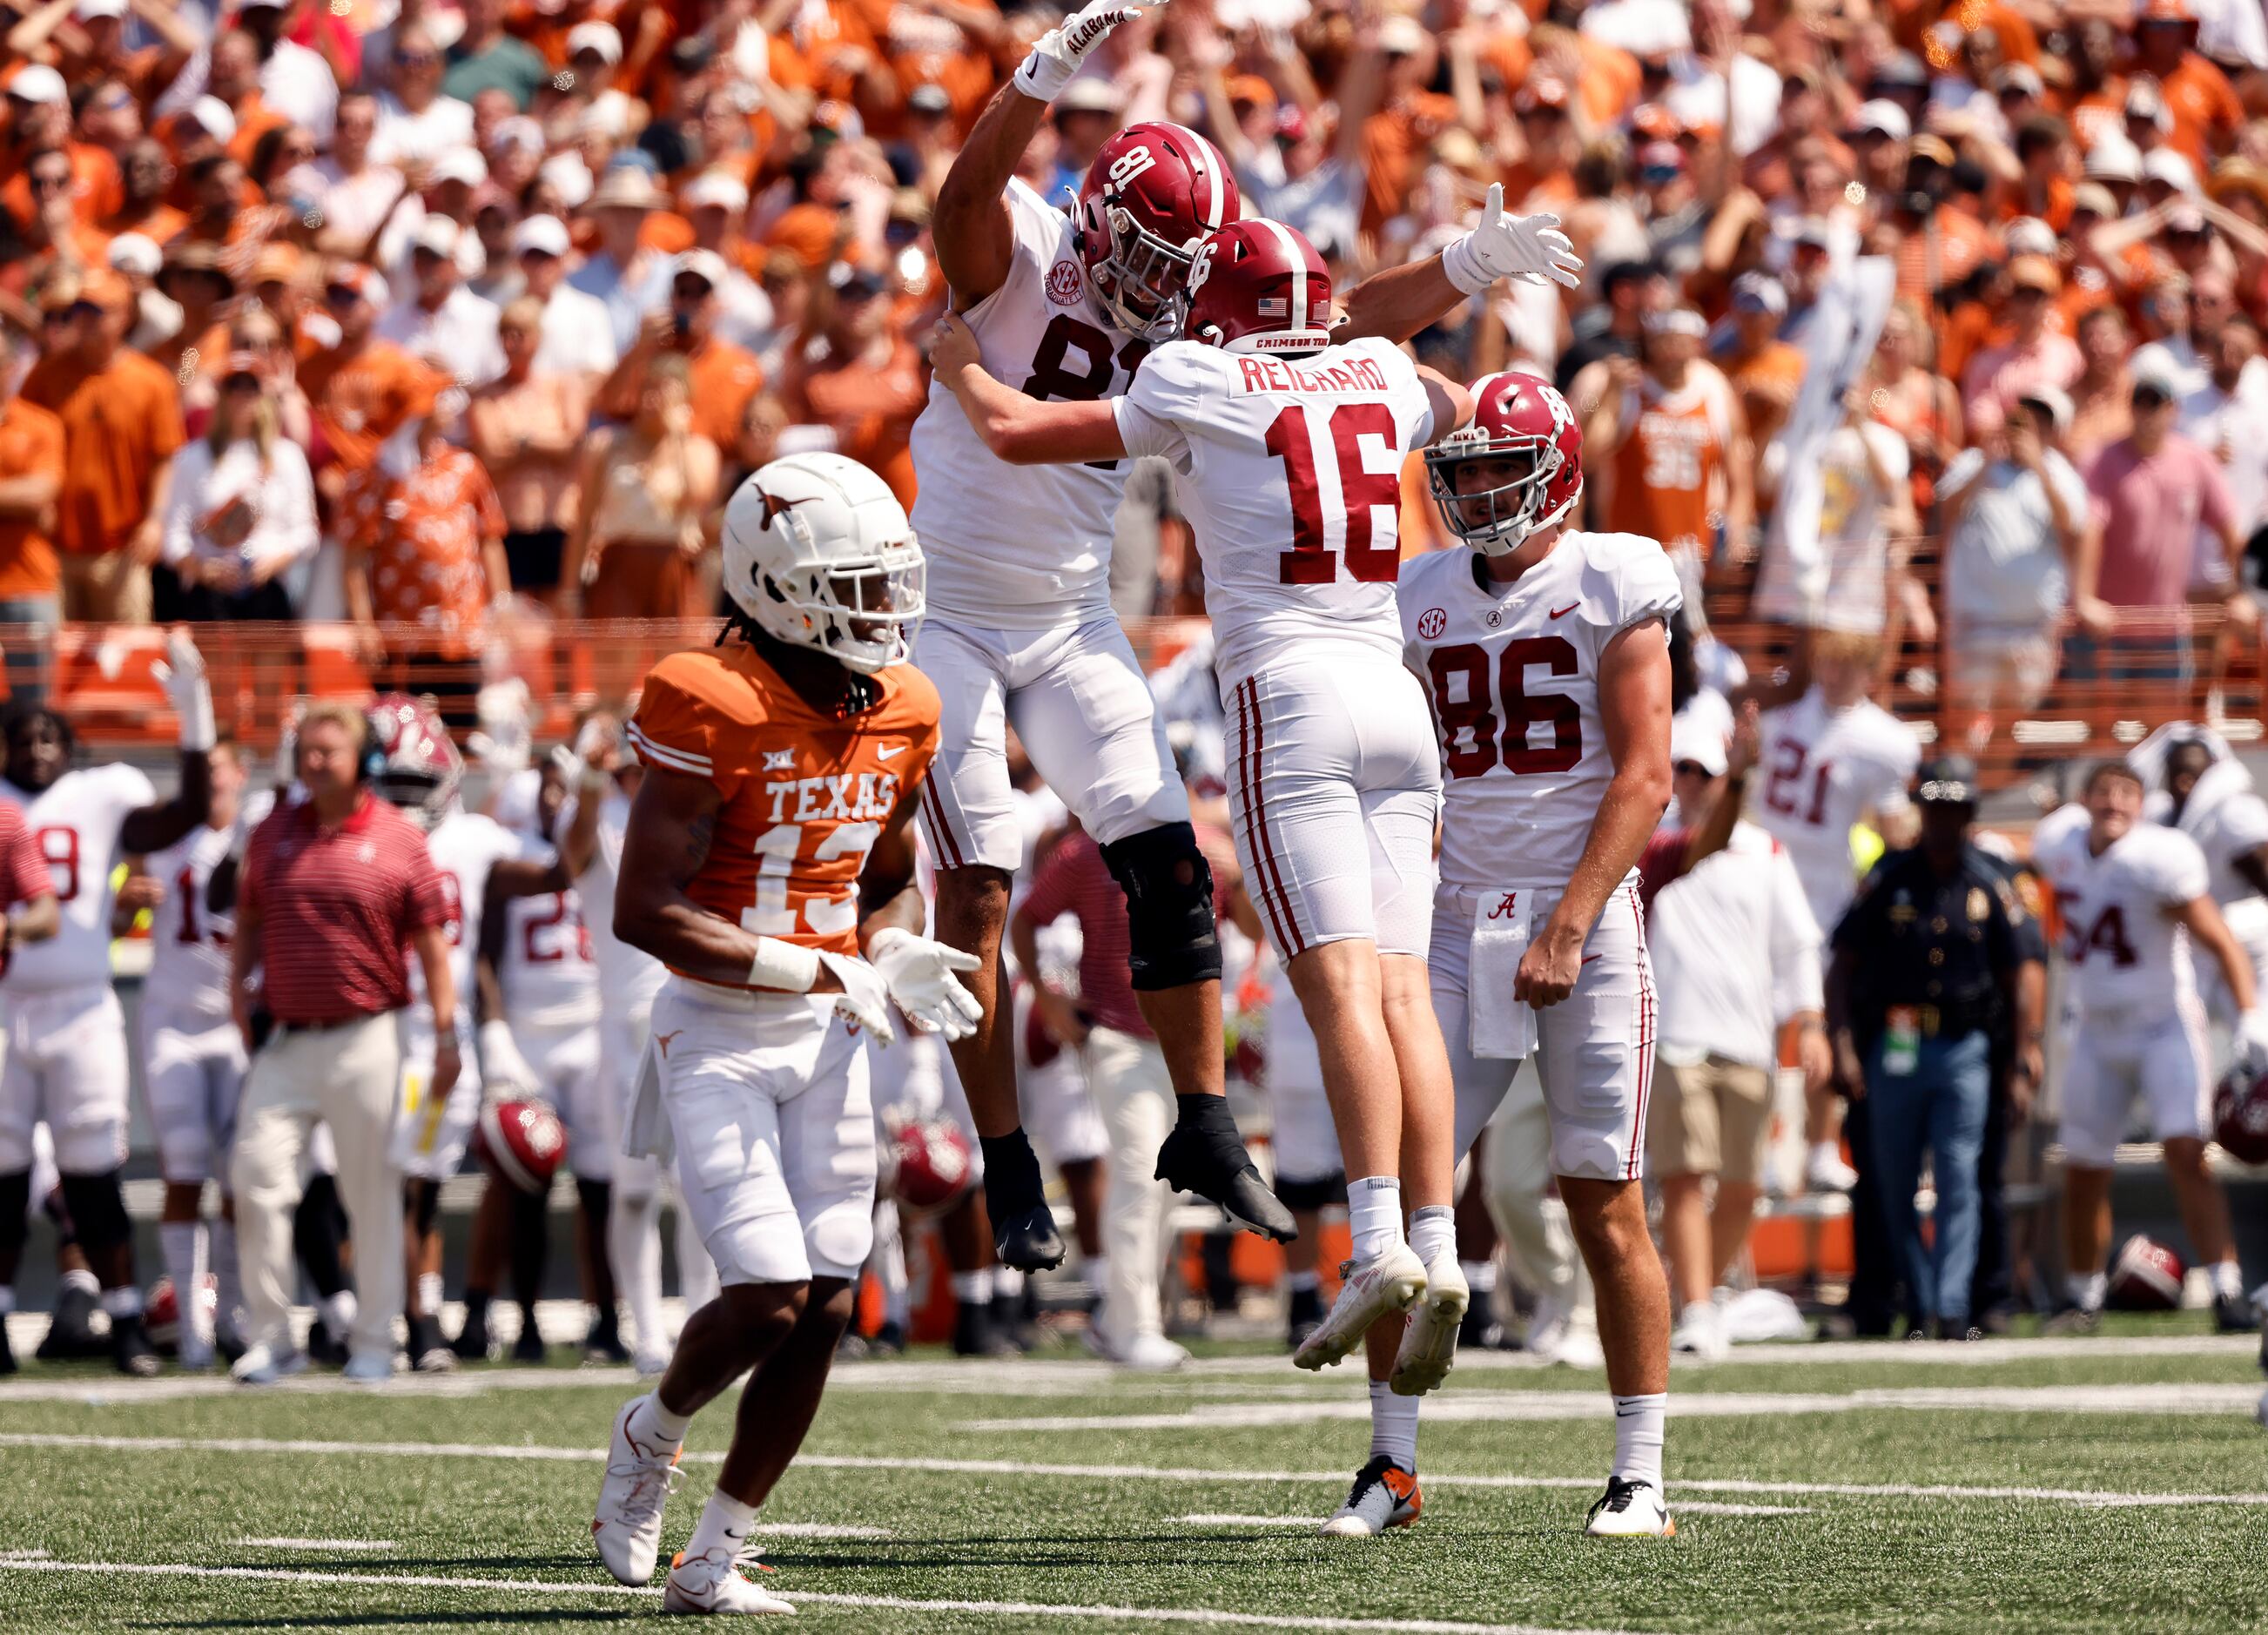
(439, 315)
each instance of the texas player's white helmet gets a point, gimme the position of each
(818, 552)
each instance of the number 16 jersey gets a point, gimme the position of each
(1512, 671)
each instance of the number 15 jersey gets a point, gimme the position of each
(1512, 671)
(1290, 470)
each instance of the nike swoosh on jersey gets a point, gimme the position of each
(1561, 613)
(891, 753)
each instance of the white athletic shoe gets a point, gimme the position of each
(1429, 1340)
(1369, 1290)
(639, 1480)
(263, 1367)
(1384, 1496)
(1144, 1353)
(1700, 1332)
(1630, 1510)
(1555, 1336)
(1824, 1171)
(650, 1365)
(368, 1368)
(713, 1583)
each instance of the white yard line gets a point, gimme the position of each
(1205, 1518)
(1706, 1507)
(1137, 1473)
(892, 1603)
(339, 1545)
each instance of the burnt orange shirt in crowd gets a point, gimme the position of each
(96, 189)
(1772, 376)
(724, 377)
(2205, 107)
(363, 397)
(1394, 142)
(119, 424)
(872, 409)
(425, 534)
(31, 444)
(796, 784)
(1668, 468)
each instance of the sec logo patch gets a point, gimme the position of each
(1431, 623)
(1066, 284)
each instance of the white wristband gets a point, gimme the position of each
(199, 731)
(1462, 270)
(785, 966)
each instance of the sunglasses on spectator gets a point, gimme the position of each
(418, 59)
(341, 295)
(425, 253)
(690, 289)
(240, 383)
(2148, 395)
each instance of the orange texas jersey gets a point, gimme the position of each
(1666, 472)
(805, 794)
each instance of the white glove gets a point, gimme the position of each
(1057, 54)
(2252, 1041)
(920, 974)
(504, 1072)
(866, 996)
(1501, 244)
(181, 672)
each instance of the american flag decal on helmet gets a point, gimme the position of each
(1275, 306)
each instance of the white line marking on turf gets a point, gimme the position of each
(893, 1603)
(817, 1529)
(1554, 1405)
(1705, 1507)
(1209, 1519)
(319, 1543)
(1136, 1473)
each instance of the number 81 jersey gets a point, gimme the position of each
(1512, 673)
(805, 794)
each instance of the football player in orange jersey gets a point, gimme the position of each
(769, 863)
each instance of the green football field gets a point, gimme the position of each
(2118, 1483)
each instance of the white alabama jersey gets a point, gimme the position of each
(1513, 673)
(2226, 818)
(1290, 472)
(1025, 547)
(547, 967)
(75, 823)
(189, 942)
(2125, 950)
(465, 846)
(629, 977)
(1822, 770)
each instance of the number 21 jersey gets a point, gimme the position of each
(1512, 671)
(2126, 951)
(1823, 769)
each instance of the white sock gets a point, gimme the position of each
(973, 1288)
(634, 1249)
(1637, 1438)
(696, 1273)
(1374, 1215)
(124, 1301)
(724, 1525)
(655, 1425)
(1393, 1425)
(84, 1281)
(2227, 1280)
(429, 1294)
(888, 1263)
(183, 1244)
(1827, 1152)
(338, 1314)
(1008, 1283)
(228, 1274)
(1480, 1275)
(1433, 1232)
(1301, 1282)
(2087, 1293)
(1098, 1271)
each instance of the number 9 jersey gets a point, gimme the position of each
(805, 794)
(1513, 671)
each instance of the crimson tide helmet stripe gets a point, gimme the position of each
(1215, 168)
(1299, 271)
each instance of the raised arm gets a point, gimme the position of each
(1399, 302)
(155, 827)
(1022, 431)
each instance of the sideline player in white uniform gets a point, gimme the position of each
(192, 1056)
(29, 914)
(770, 863)
(1335, 786)
(2203, 790)
(67, 1065)
(1832, 760)
(2132, 897)
(1546, 654)
(1064, 305)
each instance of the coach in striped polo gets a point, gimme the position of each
(338, 890)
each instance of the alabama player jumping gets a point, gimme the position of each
(1546, 655)
(2132, 897)
(66, 1034)
(771, 841)
(1064, 305)
(1287, 452)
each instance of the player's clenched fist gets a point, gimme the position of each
(1057, 54)
(920, 975)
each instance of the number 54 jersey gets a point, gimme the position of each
(805, 794)
(1513, 671)
(2126, 951)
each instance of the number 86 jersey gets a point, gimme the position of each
(1512, 671)
(805, 795)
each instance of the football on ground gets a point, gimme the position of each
(2113, 1482)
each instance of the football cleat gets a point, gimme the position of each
(1482, 1330)
(259, 1365)
(889, 1340)
(1384, 1495)
(627, 1525)
(528, 1349)
(130, 1351)
(368, 1368)
(1204, 1155)
(1630, 1510)
(1144, 1353)
(2232, 1313)
(1826, 1172)
(8, 1364)
(325, 1347)
(1304, 1316)
(1429, 1340)
(603, 1345)
(650, 1365)
(195, 1354)
(973, 1336)
(474, 1342)
(428, 1352)
(71, 1334)
(1700, 1332)
(1369, 1290)
(713, 1583)
(2074, 1320)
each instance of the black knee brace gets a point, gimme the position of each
(595, 1198)
(15, 1199)
(1320, 1193)
(98, 1210)
(319, 1227)
(424, 1203)
(1169, 887)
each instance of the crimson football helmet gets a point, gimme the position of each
(418, 768)
(521, 1140)
(2147, 1275)
(1153, 194)
(930, 1166)
(1259, 286)
(2240, 1116)
(1523, 422)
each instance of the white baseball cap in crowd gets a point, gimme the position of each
(89, 11)
(215, 118)
(38, 82)
(1694, 742)
(2164, 165)
(705, 265)
(542, 235)
(135, 254)
(603, 38)
(436, 234)
(2056, 401)
(715, 189)
(460, 164)
(1883, 116)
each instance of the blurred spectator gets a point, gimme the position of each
(2102, 406)
(31, 481)
(487, 58)
(1906, 394)
(439, 322)
(578, 332)
(364, 389)
(1764, 369)
(625, 275)
(1667, 449)
(2226, 414)
(418, 121)
(2152, 491)
(722, 377)
(2034, 354)
(1865, 527)
(646, 487)
(527, 427)
(861, 377)
(241, 511)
